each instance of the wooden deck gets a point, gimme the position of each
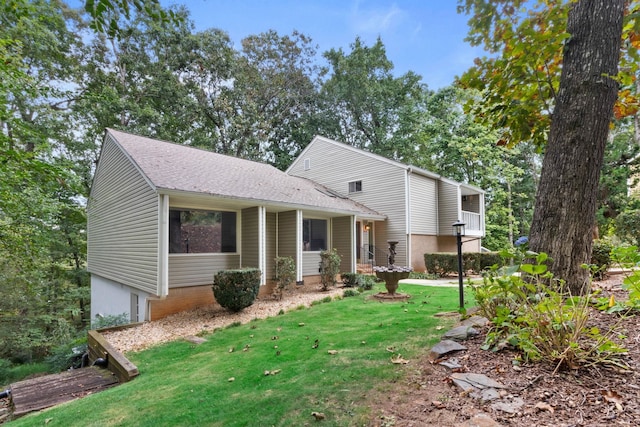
(43, 392)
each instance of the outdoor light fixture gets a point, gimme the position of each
(458, 231)
(367, 226)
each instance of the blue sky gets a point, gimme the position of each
(424, 36)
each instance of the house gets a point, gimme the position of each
(420, 206)
(163, 218)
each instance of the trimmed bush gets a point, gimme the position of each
(236, 289)
(445, 264)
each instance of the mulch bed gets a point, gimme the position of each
(593, 396)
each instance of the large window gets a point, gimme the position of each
(314, 234)
(196, 231)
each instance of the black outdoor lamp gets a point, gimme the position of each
(458, 231)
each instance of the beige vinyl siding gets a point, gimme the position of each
(342, 241)
(423, 205)
(198, 269)
(448, 198)
(271, 245)
(287, 234)
(250, 230)
(383, 184)
(122, 223)
(310, 263)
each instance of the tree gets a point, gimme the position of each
(364, 105)
(580, 110)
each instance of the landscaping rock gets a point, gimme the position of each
(480, 420)
(475, 321)
(445, 347)
(470, 381)
(451, 364)
(511, 406)
(461, 333)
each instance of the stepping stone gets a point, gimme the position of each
(468, 381)
(444, 347)
(451, 364)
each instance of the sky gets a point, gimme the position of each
(423, 36)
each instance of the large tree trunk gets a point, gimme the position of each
(564, 215)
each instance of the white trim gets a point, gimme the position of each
(163, 246)
(299, 253)
(262, 243)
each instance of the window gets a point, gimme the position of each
(314, 234)
(355, 186)
(197, 231)
(307, 164)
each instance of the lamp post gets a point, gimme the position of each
(458, 230)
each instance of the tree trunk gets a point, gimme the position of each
(564, 215)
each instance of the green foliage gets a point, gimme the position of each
(236, 289)
(350, 293)
(627, 258)
(600, 258)
(363, 282)
(537, 315)
(329, 268)
(441, 264)
(285, 274)
(102, 322)
(423, 276)
(445, 264)
(628, 226)
(68, 355)
(10, 372)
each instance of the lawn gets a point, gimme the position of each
(272, 372)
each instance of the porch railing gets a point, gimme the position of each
(471, 220)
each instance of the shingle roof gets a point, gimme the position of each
(171, 166)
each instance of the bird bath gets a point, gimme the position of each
(391, 274)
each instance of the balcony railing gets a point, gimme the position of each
(472, 221)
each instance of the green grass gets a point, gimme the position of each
(182, 384)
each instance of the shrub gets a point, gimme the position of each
(350, 293)
(601, 258)
(423, 276)
(329, 268)
(102, 322)
(366, 282)
(442, 264)
(445, 264)
(236, 289)
(285, 274)
(540, 318)
(351, 280)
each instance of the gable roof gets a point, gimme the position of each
(171, 167)
(407, 167)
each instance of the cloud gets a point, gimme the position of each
(376, 20)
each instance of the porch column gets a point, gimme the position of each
(299, 258)
(262, 243)
(163, 246)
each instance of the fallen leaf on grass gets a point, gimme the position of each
(391, 349)
(232, 379)
(544, 407)
(399, 360)
(300, 324)
(318, 415)
(332, 352)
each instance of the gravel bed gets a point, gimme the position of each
(207, 319)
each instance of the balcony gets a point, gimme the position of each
(472, 221)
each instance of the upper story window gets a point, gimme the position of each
(200, 231)
(355, 186)
(307, 164)
(314, 234)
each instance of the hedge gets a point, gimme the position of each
(445, 264)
